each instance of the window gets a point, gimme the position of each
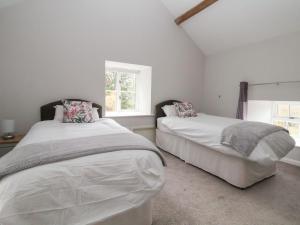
(281, 113)
(127, 89)
(287, 115)
(120, 91)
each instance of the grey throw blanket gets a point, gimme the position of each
(244, 137)
(31, 155)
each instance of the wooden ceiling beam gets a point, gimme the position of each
(193, 11)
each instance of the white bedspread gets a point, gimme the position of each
(206, 130)
(83, 190)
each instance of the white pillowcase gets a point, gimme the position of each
(169, 110)
(95, 114)
(59, 113)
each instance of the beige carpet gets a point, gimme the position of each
(194, 197)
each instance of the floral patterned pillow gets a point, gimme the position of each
(185, 109)
(78, 112)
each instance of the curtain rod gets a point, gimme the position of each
(277, 83)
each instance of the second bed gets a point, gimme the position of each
(196, 140)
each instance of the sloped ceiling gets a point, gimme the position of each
(232, 23)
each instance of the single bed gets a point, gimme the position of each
(110, 188)
(196, 140)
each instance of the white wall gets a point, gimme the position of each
(269, 61)
(51, 50)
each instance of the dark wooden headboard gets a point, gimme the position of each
(48, 111)
(158, 109)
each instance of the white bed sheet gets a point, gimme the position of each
(85, 190)
(206, 130)
(55, 130)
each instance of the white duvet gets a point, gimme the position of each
(207, 129)
(83, 190)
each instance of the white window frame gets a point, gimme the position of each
(142, 92)
(119, 91)
(286, 119)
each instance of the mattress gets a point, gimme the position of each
(206, 130)
(87, 190)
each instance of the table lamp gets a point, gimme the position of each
(8, 129)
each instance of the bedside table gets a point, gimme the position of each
(8, 145)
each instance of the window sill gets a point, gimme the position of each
(127, 115)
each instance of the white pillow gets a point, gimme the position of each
(95, 114)
(169, 110)
(59, 113)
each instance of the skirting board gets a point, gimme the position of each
(291, 161)
(142, 127)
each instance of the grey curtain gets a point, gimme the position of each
(243, 98)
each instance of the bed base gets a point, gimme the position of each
(137, 216)
(236, 171)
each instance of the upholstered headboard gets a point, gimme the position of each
(158, 109)
(48, 111)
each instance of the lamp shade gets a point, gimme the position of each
(7, 126)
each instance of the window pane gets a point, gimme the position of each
(283, 110)
(295, 111)
(127, 101)
(110, 80)
(110, 101)
(127, 82)
(280, 123)
(294, 129)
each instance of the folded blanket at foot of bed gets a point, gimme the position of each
(244, 137)
(31, 155)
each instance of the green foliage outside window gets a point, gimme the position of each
(122, 92)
